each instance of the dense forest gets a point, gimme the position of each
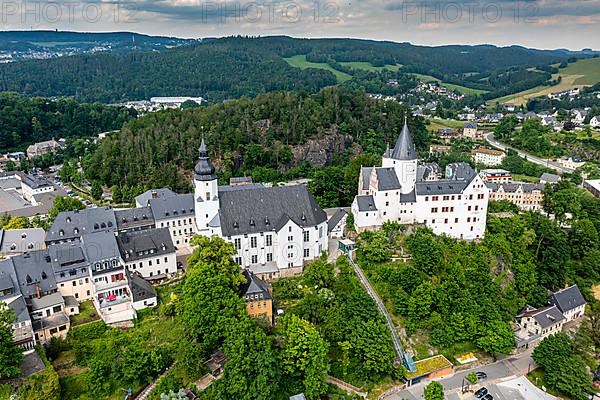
(263, 137)
(25, 120)
(233, 67)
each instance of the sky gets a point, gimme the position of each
(547, 24)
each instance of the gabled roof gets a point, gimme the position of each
(69, 225)
(19, 307)
(36, 181)
(132, 218)
(550, 178)
(365, 173)
(387, 179)
(567, 299)
(145, 197)
(141, 289)
(405, 147)
(254, 286)
(46, 301)
(335, 219)
(512, 187)
(146, 243)
(545, 316)
(34, 269)
(21, 240)
(267, 209)
(178, 206)
(68, 260)
(100, 246)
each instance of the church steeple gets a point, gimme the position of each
(204, 170)
(405, 147)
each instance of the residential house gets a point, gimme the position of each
(134, 219)
(149, 252)
(336, 222)
(439, 149)
(534, 324)
(569, 301)
(10, 295)
(549, 178)
(143, 293)
(593, 186)
(48, 146)
(470, 130)
(175, 212)
(49, 317)
(71, 270)
(526, 196)
(495, 175)
(34, 185)
(488, 157)
(18, 241)
(571, 163)
(143, 200)
(71, 225)
(429, 172)
(258, 297)
(595, 121)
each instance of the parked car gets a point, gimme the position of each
(488, 397)
(481, 375)
(481, 392)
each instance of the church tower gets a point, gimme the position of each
(403, 158)
(206, 190)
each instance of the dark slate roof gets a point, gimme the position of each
(19, 307)
(46, 301)
(180, 205)
(441, 187)
(568, 298)
(204, 169)
(365, 173)
(471, 125)
(387, 179)
(335, 219)
(99, 246)
(74, 224)
(36, 181)
(408, 197)
(52, 321)
(423, 171)
(545, 316)
(141, 289)
(514, 186)
(460, 171)
(34, 267)
(550, 178)
(246, 186)
(134, 218)
(267, 209)
(8, 276)
(22, 240)
(133, 245)
(68, 260)
(145, 197)
(405, 147)
(366, 203)
(254, 286)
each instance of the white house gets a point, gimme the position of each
(570, 302)
(336, 223)
(149, 252)
(489, 157)
(595, 121)
(537, 323)
(33, 185)
(455, 206)
(571, 163)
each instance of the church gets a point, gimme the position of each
(403, 191)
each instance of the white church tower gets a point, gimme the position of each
(206, 192)
(403, 158)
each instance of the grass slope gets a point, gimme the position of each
(582, 73)
(299, 61)
(461, 89)
(367, 66)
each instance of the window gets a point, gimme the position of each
(434, 209)
(290, 238)
(238, 243)
(290, 228)
(254, 259)
(306, 253)
(269, 256)
(320, 232)
(157, 261)
(207, 195)
(238, 260)
(269, 240)
(306, 236)
(253, 241)
(149, 262)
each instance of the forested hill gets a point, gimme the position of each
(274, 132)
(233, 67)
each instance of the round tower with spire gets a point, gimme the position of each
(206, 190)
(403, 158)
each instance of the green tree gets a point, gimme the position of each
(304, 354)
(496, 338)
(372, 344)
(374, 247)
(434, 391)
(10, 355)
(17, 223)
(96, 190)
(117, 194)
(64, 203)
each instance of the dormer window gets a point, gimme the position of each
(13, 247)
(75, 231)
(109, 224)
(30, 246)
(96, 226)
(28, 279)
(102, 225)
(68, 220)
(61, 233)
(44, 276)
(23, 235)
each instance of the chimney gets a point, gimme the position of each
(154, 194)
(37, 289)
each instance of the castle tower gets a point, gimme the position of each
(206, 190)
(403, 158)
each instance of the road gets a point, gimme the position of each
(529, 157)
(514, 365)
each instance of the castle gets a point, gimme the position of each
(403, 191)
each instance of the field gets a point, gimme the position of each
(369, 67)
(299, 61)
(582, 73)
(458, 88)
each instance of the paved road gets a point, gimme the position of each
(529, 157)
(518, 365)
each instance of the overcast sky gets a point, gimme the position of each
(548, 24)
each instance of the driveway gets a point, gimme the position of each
(514, 365)
(529, 157)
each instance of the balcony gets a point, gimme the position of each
(112, 301)
(103, 286)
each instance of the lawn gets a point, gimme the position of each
(525, 178)
(437, 123)
(582, 73)
(428, 365)
(367, 66)
(451, 86)
(87, 313)
(299, 61)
